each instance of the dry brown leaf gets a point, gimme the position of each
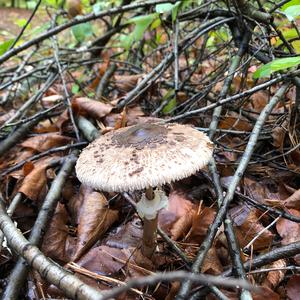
(6, 116)
(34, 183)
(274, 278)
(293, 287)
(278, 135)
(288, 230)
(201, 221)
(127, 235)
(93, 108)
(265, 189)
(46, 126)
(178, 207)
(43, 142)
(101, 260)
(247, 227)
(95, 217)
(57, 233)
(126, 83)
(293, 201)
(265, 293)
(235, 121)
(212, 264)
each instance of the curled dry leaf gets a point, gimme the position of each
(293, 287)
(94, 218)
(293, 201)
(93, 108)
(265, 189)
(102, 260)
(288, 230)
(126, 83)
(6, 116)
(274, 278)
(212, 264)
(202, 219)
(46, 141)
(178, 208)
(235, 121)
(127, 235)
(34, 185)
(61, 244)
(247, 227)
(278, 135)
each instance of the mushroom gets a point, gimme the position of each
(140, 157)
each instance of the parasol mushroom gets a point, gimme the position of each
(141, 157)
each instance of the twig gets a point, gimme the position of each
(67, 95)
(19, 272)
(165, 63)
(26, 25)
(53, 273)
(206, 244)
(82, 19)
(17, 135)
(104, 80)
(32, 100)
(40, 155)
(176, 276)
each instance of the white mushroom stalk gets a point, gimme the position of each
(140, 157)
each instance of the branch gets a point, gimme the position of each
(206, 244)
(64, 280)
(19, 273)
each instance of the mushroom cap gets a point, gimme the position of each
(142, 156)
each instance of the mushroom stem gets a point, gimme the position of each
(150, 230)
(149, 193)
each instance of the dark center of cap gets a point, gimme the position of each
(141, 135)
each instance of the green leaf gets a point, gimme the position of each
(292, 12)
(168, 7)
(125, 41)
(175, 11)
(75, 89)
(31, 4)
(276, 65)
(164, 7)
(82, 31)
(20, 22)
(5, 46)
(289, 35)
(141, 24)
(97, 7)
(289, 4)
(170, 106)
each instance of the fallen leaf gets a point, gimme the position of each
(126, 83)
(57, 232)
(178, 207)
(235, 121)
(212, 264)
(293, 201)
(94, 218)
(200, 223)
(127, 235)
(249, 227)
(101, 260)
(274, 278)
(46, 141)
(34, 183)
(288, 230)
(293, 287)
(93, 108)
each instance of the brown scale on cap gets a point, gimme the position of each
(143, 155)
